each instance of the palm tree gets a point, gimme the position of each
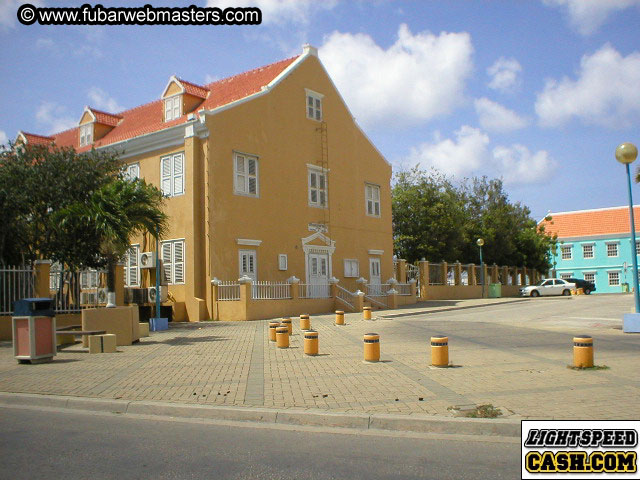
(115, 213)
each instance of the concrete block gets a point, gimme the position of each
(108, 343)
(95, 344)
(144, 329)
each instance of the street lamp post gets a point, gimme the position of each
(626, 153)
(480, 243)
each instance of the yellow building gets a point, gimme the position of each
(267, 176)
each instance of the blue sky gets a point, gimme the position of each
(538, 92)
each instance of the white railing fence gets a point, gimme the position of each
(346, 296)
(15, 283)
(270, 291)
(307, 290)
(228, 290)
(378, 289)
(403, 288)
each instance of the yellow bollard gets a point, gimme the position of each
(305, 323)
(287, 323)
(272, 330)
(371, 347)
(366, 312)
(439, 351)
(282, 336)
(583, 351)
(339, 317)
(311, 342)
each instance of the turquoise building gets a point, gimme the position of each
(595, 245)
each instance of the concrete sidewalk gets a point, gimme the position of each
(516, 365)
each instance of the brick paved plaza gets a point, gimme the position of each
(511, 353)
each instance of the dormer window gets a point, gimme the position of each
(86, 134)
(172, 108)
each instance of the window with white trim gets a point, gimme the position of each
(564, 276)
(372, 193)
(614, 278)
(314, 105)
(131, 171)
(173, 261)
(88, 279)
(245, 174)
(248, 264)
(283, 261)
(566, 252)
(612, 249)
(637, 247)
(351, 268)
(172, 174)
(317, 188)
(589, 277)
(86, 134)
(132, 267)
(587, 251)
(172, 108)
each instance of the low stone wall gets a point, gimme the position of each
(460, 292)
(62, 320)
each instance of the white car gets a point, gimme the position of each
(548, 286)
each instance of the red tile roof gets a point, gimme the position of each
(105, 118)
(193, 89)
(34, 139)
(584, 223)
(149, 118)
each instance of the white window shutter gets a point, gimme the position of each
(166, 175)
(166, 261)
(178, 174)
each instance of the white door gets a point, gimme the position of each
(248, 264)
(374, 277)
(318, 273)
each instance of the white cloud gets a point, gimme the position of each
(102, 101)
(45, 44)
(279, 11)
(468, 154)
(3, 138)
(417, 78)
(517, 164)
(504, 74)
(587, 16)
(605, 93)
(54, 118)
(496, 118)
(9, 10)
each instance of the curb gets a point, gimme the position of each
(387, 422)
(448, 309)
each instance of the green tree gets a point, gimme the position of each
(428, 216)
(38, 182)
(113, 215)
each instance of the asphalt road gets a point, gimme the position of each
(61, 444)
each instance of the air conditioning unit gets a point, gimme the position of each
(88, 298)
(102, 296)
(148, 260)
(138, 296)
(152, 294)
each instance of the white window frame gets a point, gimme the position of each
(372, 200)
(351, 268)
(593, 250)
(89, 279)
(564, 276)
(86, 134)
(242, 178)
(584, 276)
(566, 252)
(173, 261)
(172, 174)
(172, 107)
(131, 171)
(248, 272)
(613, 244)
(613, 272)
(283, 261)
(313, 105)
(319, 173)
